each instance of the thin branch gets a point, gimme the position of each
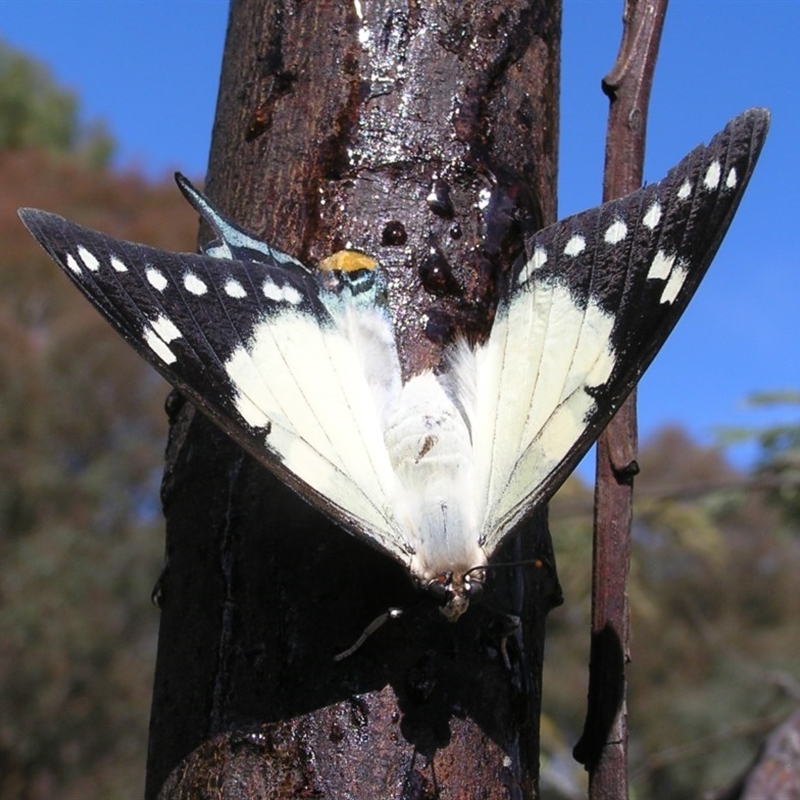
(603, 746)
(579, 508)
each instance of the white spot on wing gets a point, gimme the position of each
(165, 328)
(161, 332)
(277, 293)
(272, 291)
(73, 264)
(685, 190)
(575, 246)
(653, 215)
(156, 279)
(235, 289)
(193, 284)
(661, 266)
(89, 259)
(536, 261)
(616, 232)
(673, 285)
(730, 181)
(291, 295)
(539, 258)
(711, 180)
(159, 346)
(118, 265)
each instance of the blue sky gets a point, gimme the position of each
(149, 69)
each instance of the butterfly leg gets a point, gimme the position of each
(378, 622)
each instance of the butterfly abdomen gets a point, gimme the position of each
(430, 449)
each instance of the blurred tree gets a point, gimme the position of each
(35, 113)
(82, 431)
(778, 467)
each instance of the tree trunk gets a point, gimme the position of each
(425, 136)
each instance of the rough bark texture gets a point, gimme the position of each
(604, 743)
(424, 135)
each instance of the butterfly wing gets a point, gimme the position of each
(303, 376)
(583, 316)
(233, 242)
(254, 344)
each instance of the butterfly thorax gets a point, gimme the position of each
(430, 449)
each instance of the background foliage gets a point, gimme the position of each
(81, 436)
(713, 575)
(714, 604)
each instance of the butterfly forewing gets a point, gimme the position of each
(584, 314)
(253, 345)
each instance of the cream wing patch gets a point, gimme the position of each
(302, 384)
(533, 380)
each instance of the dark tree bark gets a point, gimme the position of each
(426, 136)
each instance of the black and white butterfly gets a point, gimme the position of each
(300, 366)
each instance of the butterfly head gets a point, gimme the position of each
(349, 261)
(455, 590)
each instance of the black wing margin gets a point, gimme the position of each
(586, 311)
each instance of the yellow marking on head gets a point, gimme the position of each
(347, 261)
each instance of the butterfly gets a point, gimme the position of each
(300, 366)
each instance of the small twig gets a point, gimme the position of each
(603, 746)
(580, 508)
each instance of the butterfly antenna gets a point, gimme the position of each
(539, 563)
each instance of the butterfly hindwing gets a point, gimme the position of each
(585, 313)
(255, 347)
